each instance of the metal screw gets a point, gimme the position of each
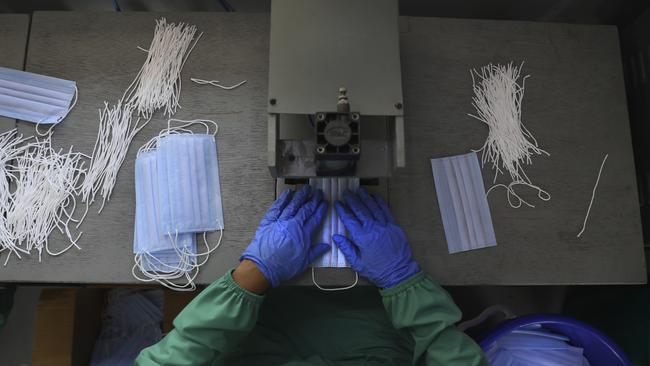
(320, 149)
(320, 116)
(355, 116)
(356, 150)
(272, 101)
(398, 105)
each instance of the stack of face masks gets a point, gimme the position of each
(177, 196)
(535, 345)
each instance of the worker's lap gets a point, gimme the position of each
(307, 326)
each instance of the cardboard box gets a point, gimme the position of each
(68, 321)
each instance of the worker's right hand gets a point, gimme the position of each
(377, 248)
(282, 247)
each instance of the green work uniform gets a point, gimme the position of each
(227, 325)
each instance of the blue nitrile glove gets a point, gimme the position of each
(282, 244)
(379, 249)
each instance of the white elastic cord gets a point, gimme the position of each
(498, 96)
(157, 86)
(541, 194)
(49, 130)
(188, 123)
(158, 83)
(164, 279)
(188, 267)
(593, 194)
(183, 128)
(313, 279)
(216, 83)
(47, 182)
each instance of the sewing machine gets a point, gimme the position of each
(335, 89)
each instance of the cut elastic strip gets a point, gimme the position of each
(593, 195)
(157, 86)
(498, 95)
(216, 83)
(313, 280)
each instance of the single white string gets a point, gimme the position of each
(593, 195)
(313, 279)
(216, 83)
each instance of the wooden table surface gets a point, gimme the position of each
(574, 105)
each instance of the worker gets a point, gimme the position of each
(244, 318)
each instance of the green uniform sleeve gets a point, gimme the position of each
(209, 326)
(428, 314)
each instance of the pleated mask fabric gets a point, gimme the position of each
(333, 188)
(188, 182)
(463, 203)
(158, 251)
(33, 97)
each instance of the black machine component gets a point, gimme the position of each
(338, 139)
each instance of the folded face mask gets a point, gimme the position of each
(188, 182)
(35, 98)
(463, 203)
(333, 189)
(154, 249)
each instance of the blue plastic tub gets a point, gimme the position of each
(598, 348)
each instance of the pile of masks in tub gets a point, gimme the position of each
(50, 189)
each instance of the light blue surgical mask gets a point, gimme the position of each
(188, 182)
(463, 203)
(156, 251)
(35, 98)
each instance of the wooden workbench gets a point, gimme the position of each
(574, 105)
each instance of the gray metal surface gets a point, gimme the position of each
(319, 46)
(296, 145)
(98, 50)
(575, 107)
(13, 43)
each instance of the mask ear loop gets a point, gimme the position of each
(164, 280)
(313, 280)
(49, 130)
(150, 145)
(191, 122)
(216, 83)
(206, 254)
(190, 272)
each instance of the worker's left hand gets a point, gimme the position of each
(282, 244)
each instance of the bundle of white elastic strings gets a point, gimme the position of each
(498, 95)
(46, 183)
(157, 86)
(189, 263)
